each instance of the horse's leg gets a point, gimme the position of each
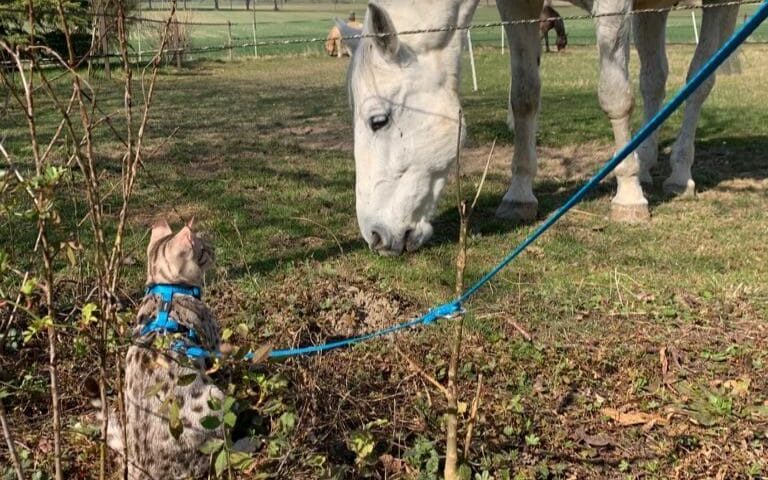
(716, 26)
(649, 30)
(546, 39)
(615, 93)
(519, 203)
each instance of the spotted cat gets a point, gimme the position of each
(159, 376)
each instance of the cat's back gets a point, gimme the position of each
(153, 384)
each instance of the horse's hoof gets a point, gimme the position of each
(683, 191)
(633, 214)
(518, 212)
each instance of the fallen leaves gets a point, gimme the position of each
(626, 419)
(596, 440)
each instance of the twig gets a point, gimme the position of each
(473, 416)
(584, 212)
(485, 173)
(9, 441)
(421, 371)
(527, 336)
(451, 470)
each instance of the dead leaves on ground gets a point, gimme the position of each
(630, 418)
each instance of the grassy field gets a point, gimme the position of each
(304, 21)
(664, 322)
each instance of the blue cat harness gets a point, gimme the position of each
(163, 323)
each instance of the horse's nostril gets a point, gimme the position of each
(408, 243)
(375, 239)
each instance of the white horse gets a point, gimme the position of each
(405, 102)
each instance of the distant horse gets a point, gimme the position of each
(551, 20)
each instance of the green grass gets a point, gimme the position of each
(262, 157)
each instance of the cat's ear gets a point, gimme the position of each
(160, 229)
(191, 223)
(184, 240)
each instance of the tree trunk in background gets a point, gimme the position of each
(276, 9)
(247, 4)
(150, 4)
(103, 39)
(216, 4)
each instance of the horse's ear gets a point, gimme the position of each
(378, 23)
(467, 11)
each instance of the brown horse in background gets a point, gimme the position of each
(549, 19)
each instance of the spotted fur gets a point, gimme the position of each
(155, 376)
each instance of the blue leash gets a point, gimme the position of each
(708, 69)
(455, 307)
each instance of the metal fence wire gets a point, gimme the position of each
(218, 40)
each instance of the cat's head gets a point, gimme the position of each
(180, 258)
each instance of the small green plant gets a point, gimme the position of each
(221, 449)
(424, 458)
(624, 466)
(363, 443)
(532, 440)
(755, 469)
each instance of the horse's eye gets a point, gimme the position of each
(378, 122)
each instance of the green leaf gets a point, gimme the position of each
(229, 419)
(210, 422)
(316, 461)
(287, 421)
(226, 334)
(214, 403)
(185, 380)
(211, 446)
(174, 420)
(87, 313)
(240, 460)
(532, 440)
(154, 390)
(433, 464)
(29, 286)
(465, 473)
(362, 443)
(35, 327)
(242, 330)
(221, 462)
(228, 403)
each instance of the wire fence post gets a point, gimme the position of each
(229, 38)
(138, 39)
(502, 39)
(695, 28)
(472, 61)
(255, 48)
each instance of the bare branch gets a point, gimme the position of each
(482, 180)
(9, 441)
(421, 372)
(473, 416)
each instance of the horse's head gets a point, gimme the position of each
(404, 97)
(562, 41)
